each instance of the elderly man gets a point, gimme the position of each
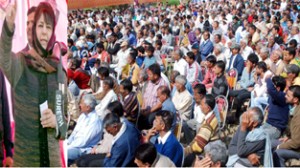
(289, 147)
(110, 96)
(216, 155)
(294, 35)
(173, 76)
(206, 133)
(125, 141)
(180, 64)
(245, 49)
(264, 56)
(182, 99)
(277, 65)
(87, 132)
(218, 52)
(248, 145)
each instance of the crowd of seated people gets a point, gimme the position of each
(148, 81)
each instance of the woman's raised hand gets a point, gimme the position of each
(11, 11)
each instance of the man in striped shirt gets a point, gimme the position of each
(206, 133)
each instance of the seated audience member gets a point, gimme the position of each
(195, 50)
(77, 74)
(150, 96)
(190, 127)
(129, 101)
(265, 56)
(163, 94)
(140, 57)
(292, 75)
(180, 64)
(278, 115)
(132, 69)
(206, 133)
(277, 64)
(206, 47)
(110, 96)
(142, 83)
(193, 69)
(288, 59)
(250, 145)
(122, 59)
(126, 140)
(216, 155)
(87, 132)
(246, 84)
(236, 60)
(259, 93)
(100, 55)
(288, 147)
(210, 76)
(173, 76)
(151, 102)
(103, 72)
(149, 59)
(146, 155)
(104, 146)
(166, 143)
(182, 99)
(220, 86)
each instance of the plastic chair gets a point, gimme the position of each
(222, 104)
(178, 127)
(232, 76)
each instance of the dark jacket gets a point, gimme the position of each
(278, 108)
(122, 151)
(239, 146)
(5, 128)
(238, 64)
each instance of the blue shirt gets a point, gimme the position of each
(247, 79)
(87, 132)
(140, 60)
(168, 105)
(149, 61)
(132, 40)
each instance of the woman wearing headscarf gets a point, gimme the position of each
(33, 76)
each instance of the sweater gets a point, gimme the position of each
(220, 86)
(172, 149)
(278, 108)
